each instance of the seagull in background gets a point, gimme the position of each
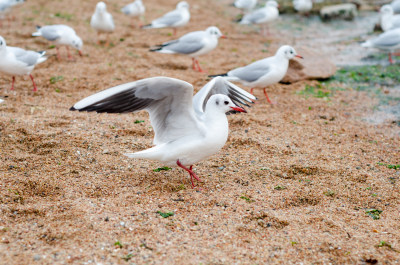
(6, 5)
(265, 72)
(187, 129)
(263, 16)
(388, 41)
(174, 19)
(102, 21)
(193, 44)
(135, 9)
(16, 61)
(303, 6)
(61, 35)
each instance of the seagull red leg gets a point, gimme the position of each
(33, 82)
(190, 171)
(266, 95)
(69, 54)
(193, 64)
(198, 67)
(390, 58)
(252, 91)
(12, 84)
(58, 54)
(175, 30)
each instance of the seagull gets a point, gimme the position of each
(60, 34)
(134, 9)
(247, 5)
(176, 18)
(263, 15)
(388, 19)
(302, 6)
(187, 129)
(388, 41)
(5, 6)
(102, 21)
(193, 44)
(263, 72)
(17, 61)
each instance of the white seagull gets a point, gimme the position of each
(16, 61)
(388, 41)
(193, 44)
(174, 19)
(388, 19)
(264, 72)
(102, 21)
(302, 6)
(187, 129)
(247, 5)
(62, 35)
(134, 9)
(262, 16)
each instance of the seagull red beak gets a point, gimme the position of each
(80, 53)
(224, 37)
(239, 109)
(299, 56)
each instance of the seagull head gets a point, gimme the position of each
(214, 31)
(386, 10)
(2, 43)
(182, 5)
(77, 42)
(220, 103)
(101, 7)
(288, 52)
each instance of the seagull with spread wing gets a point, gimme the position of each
(187, 128)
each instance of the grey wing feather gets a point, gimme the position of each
(169, 18)
(251, 72)
(184, 46)
(255, 16)
(50, 33)
(168, 101)
(219, 85)
(27, 57)
(388, 39)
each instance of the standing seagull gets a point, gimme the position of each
(102, 21)
(135, 9)
(193, 44)
(388, 41)
(60, 34)
(187, 129)
(174, 19)
(247, 5)
(17, 61)
(262, 16)
(264, 72)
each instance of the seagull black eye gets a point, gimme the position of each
(226, 102)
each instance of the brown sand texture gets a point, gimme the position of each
(292, 185)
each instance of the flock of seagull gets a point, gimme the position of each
(187, 128)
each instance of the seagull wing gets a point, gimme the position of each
(219, 85)
(168, 101)
(388, 39)
(51, 32)
(169, 19)
(251, 72)
(187, 44)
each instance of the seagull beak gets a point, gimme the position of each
(239, 109)
(224, 37)
(299, 56)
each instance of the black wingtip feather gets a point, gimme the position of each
(72, 108)
(226, 74)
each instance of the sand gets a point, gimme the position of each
(292, 185)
